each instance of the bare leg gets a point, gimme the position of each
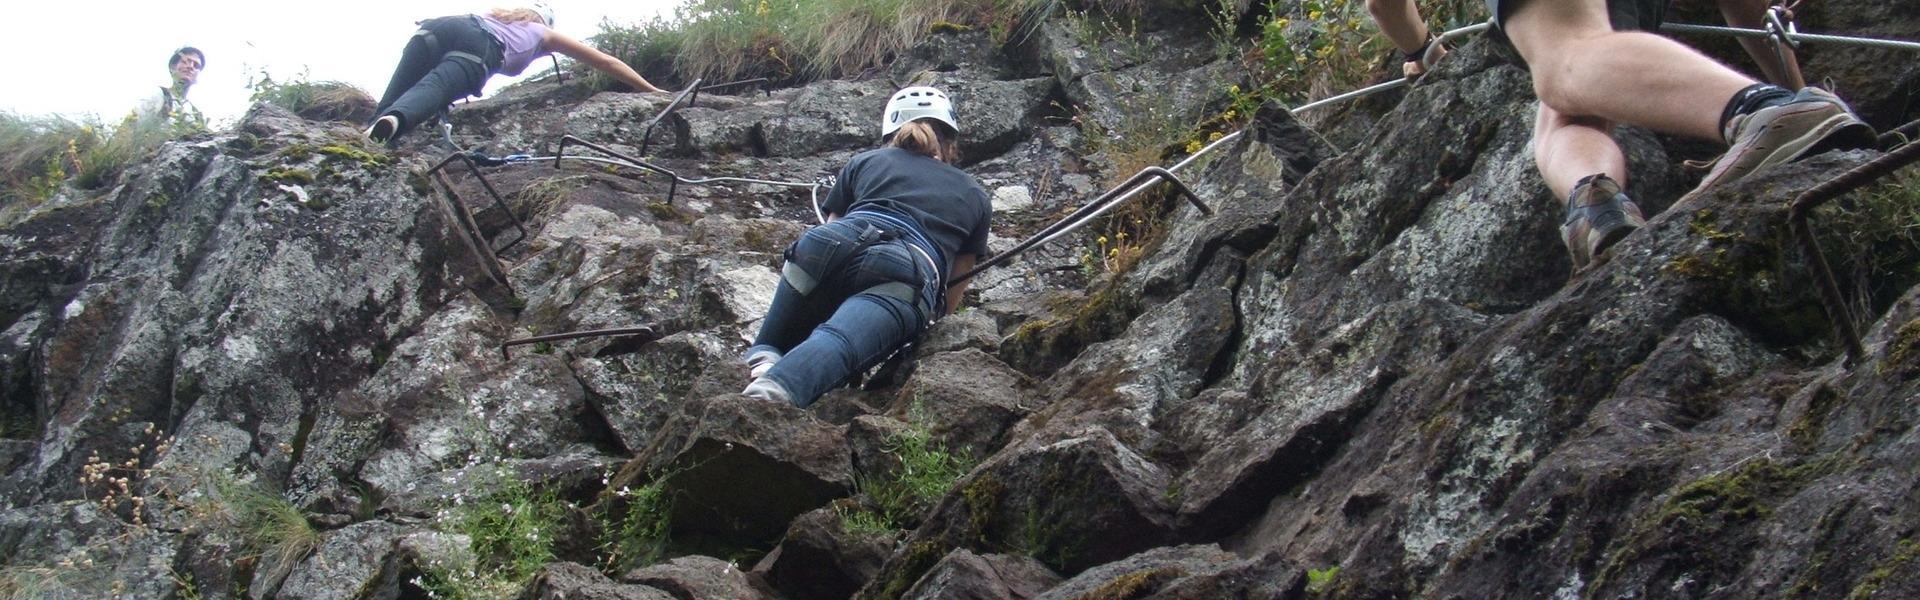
(1400, 21)
(1568, 148)
(1582, 68)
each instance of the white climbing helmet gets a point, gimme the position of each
(917, 102)
(546, 13)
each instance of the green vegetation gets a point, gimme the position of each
(794, 42)
(276, 532)
(318, 100)
(639, 525)
(1890, 569)
(896, 499)
(1318, 48)
(285, 174)
(1320, 580)
(1696, 524)
(1137, 584)
(1903, 352)
(1871, 238)
(512, 531)
(650, 47)
(544, 196)
(38, 155)
(27, 583)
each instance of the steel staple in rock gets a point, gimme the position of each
(1802, 209)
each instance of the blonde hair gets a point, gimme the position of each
(928, 137)
(517, 15)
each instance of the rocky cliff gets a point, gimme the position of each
(280, 362)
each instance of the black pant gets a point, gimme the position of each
(449, 59)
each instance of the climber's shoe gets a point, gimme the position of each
(765, 388)
(381, 131)
(1598, 216)
(760, 361)
(1812, 122)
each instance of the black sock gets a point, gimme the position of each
(1752, 98)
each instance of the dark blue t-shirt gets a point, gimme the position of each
(950, 208)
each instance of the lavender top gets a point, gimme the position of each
(521, 43)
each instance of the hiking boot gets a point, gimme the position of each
(1599, 215)
(760, 361)
(765, 388)
(1814, 121)
(382, 129)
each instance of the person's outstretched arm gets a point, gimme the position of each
(600, 61)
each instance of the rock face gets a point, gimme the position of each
(282, 363)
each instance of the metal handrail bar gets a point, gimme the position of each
(570, 336)
(734, 83)
(631, 161)
(690, 95)
(1802, 208)
(1795, 36)
(1085, 214)
(677, 179)
(498, 202)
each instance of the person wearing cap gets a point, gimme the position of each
(901, 221)
(170, 104)
(451, 58)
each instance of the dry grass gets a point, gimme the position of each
(794, 42)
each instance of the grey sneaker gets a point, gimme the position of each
(765, 388)
(1814, 121)
(759, 362)
(1599, 215)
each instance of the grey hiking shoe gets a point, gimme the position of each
(1598, 216)
(765, 388)
(761, 361)
(1814, 121)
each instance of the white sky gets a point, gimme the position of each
(83, 58)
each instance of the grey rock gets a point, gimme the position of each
(819, 558)
(963, 575)
(1191, 571)
(348, 563)
(698, 578)
(569, 581)
(741, 468)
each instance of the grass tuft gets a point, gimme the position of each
(40, 155)
(896, 499)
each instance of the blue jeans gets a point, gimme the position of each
(853, 315)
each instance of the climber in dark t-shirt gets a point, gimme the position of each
(901, 221)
